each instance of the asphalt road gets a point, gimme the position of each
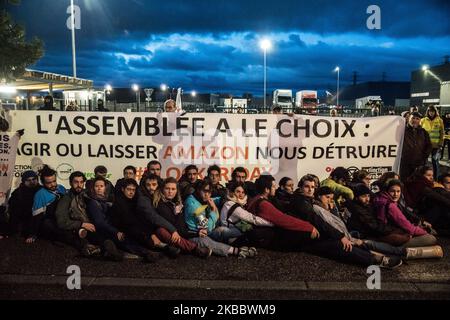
(39, 272)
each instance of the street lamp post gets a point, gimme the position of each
(337, 91)
(265, 46)
(136, 89)
(74, 57)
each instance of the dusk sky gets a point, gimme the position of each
(213, 46)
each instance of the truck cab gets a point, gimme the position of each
(283, 98)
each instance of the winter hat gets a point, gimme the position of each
(28, 174)
(361, 189)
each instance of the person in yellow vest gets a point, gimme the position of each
(434, 125)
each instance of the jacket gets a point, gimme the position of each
(416, 147)
(388, 212)
(266, 210)
(200, 216)
(435, 129)
(240, 214)
(71, 211)
(98, 212)
(168, 211)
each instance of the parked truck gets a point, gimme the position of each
(283, 98)
(307, 101)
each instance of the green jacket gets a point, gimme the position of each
(339, 190)
(71, 211)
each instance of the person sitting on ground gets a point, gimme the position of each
(187, 181)
(167, 202)
(148, 216)
(299, 235)
(124, 217)
(240, 174)
(238, 222)
(71, 216)
(129, 172)
(364, 221)
(361, 176)
(153, 167)
(303, 198)
(201, 216)
(218, 190)
(102, 171)
(423, 195)
(332, 227)
(100, 213)
(337, 182)
(284, 194)
(381, 183)
(20, 205)
(388, 212)
(43, 223)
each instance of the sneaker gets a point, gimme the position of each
(243, 253)
(152, 257)
(391, 262)
(172, 252)
(90, 250)
(111, 251)
(82, 233)
(203, 252)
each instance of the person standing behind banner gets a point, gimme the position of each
(416, 146)
(434, 125)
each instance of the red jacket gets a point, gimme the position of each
(266, 210)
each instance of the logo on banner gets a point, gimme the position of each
(64, 171)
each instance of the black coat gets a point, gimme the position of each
(21, 207)
(166, 209)
(301, 206)
(364, 221)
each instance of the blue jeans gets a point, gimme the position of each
(224, 234)
(385, 248)
(218, 248)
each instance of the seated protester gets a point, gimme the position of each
(43, 223)
(421, 194)
(381, 183)
(167, 202)
(388, 212)
(240, 174)
(71, 216)
(303, 198)
(333, 227)
(124, 217)
(187, 181)
(361, 176)
(218, 190)
(98, 209)
(364, 220)
(102, 171)
(129, 172)
(20, 205)
(201, 216)
(148, 216)
(153, 167)
(284, 193)
(337, 181)
(237, 221)
(295, 234)
(444, 180)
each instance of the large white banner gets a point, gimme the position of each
(8, 151)
(279, 144)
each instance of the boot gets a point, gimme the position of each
(424, 252)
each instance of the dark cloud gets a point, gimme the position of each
(213, 45)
